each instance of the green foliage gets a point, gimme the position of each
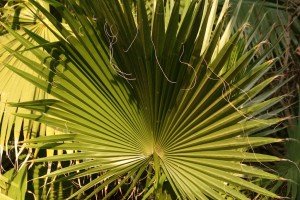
(160, 92)
(290, 170)
(14, 184)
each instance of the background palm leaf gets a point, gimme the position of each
(289, 170)
(12, 87)
(15, 89)
(279, 21)
(136, 98)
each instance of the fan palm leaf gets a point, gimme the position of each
(289, 170)
(277, 22)
(136, 98)
(12, 87)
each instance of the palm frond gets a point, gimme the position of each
(163, 97)
(13, 88)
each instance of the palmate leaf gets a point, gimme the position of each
(135, 97)
(289, 170)
(275, 21)
(12, 87)
(15, 89)
(14, 184)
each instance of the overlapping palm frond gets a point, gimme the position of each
(292, 170)
(13, 88)
(278, 23)
(136, 98)
(13, 186)
(289, 170)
